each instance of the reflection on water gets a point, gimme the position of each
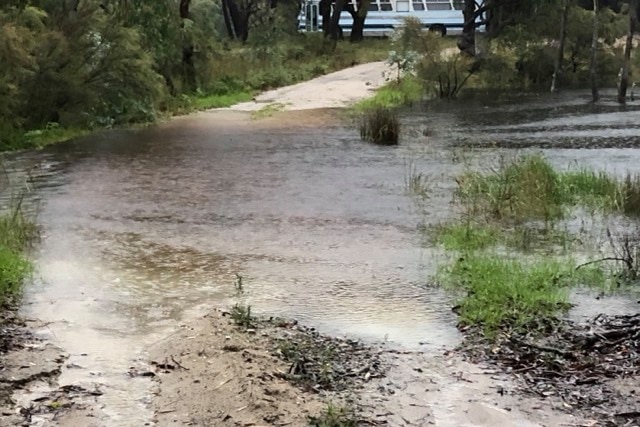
(143, 229)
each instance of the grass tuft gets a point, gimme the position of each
(241, 315)
(381, 126)
(334, 416)
(517, 295)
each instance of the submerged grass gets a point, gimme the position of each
(512, 294)
(466, 236)
(528, 188)
(593, 189)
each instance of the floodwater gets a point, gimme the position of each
(142, 230)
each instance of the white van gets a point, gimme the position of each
(442, 16)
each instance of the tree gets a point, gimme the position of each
(557, 70)
(467, 41)
(188, 67)
(359, 15)
(626, 65)
(334, 24)
(593, 72)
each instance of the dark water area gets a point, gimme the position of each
(145, 229)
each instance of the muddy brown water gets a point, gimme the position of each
(145, 229)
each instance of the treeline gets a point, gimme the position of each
(83, 64)
(96, 63)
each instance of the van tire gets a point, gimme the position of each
(438, 29)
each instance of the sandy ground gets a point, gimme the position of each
(333, 90)
(212, 373)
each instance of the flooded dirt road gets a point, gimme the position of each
(144, 230)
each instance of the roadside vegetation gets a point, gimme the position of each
(70, 67)
(16, 231)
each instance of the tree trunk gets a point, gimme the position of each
(467, 41)
(334, 28)
(359, 16)
(325, 12)
(557, 69)
(188, 67)
(593, 67)
(624, 73)
(228, 22)
(236, 19)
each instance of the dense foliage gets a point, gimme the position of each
(68, 65)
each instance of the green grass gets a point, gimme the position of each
(334, 416)
(517, 295)
(51, 135)
(241, 315)
(393, 95)
(528, 188)
(592, 189)
(13, 268)
(15, 233)
(206, 102)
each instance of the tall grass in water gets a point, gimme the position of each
(592, 189)
(380, 125)
(631, 195)
(524, 189)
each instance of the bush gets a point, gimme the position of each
(380, 125)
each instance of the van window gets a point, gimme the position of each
(438, 4)
(418, 5)
(458, 4)
(373, 6)
(385, 5)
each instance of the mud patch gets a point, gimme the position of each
(589, 368)
(29, 369)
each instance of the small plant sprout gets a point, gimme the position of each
(239, 285)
